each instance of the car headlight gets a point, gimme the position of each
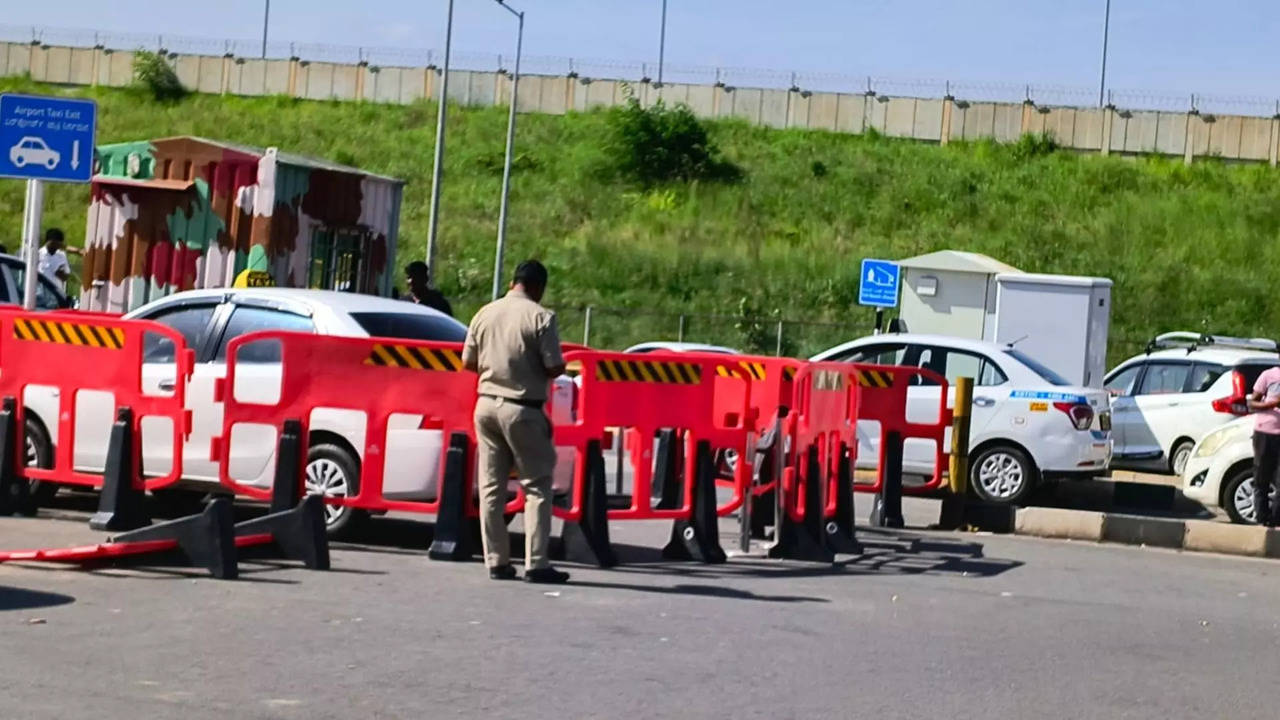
(1214, 441)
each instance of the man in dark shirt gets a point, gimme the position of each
(420, 291)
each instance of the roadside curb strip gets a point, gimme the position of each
(1059, 523)
(1188, 535)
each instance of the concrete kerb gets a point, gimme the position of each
(1177, 534)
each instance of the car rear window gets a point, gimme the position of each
(411, 326)
(1043, 371)
(1251, 371)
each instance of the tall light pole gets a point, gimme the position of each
(1106, 36)
(266, 20)
(662, 41)
(437, 169)
(506, 164)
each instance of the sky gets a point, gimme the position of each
(1224, 48)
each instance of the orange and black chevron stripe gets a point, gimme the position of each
(874, 378)
(414, 358)
(756, 371)
(68, 333)
(648, 371)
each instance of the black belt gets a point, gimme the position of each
(535, 404)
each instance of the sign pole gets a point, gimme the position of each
(879, 320)
(32, 217)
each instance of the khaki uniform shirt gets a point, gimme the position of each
(513, 341)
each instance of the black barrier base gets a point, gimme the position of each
(452, 539)
(15, 491)
(841, 537)
(952, 515)
(298, 532)
(762, 512)
(666, 486)
(886, 510)
(207, 539)
(587, 541)
(805, 540)
(120, 504)
(699, 537)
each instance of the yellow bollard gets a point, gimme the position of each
(960, 417)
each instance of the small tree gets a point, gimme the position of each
(152, 71)
(661, 144)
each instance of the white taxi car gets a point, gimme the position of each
(1183, 386)
(209, 320)
(1028, 423)
(1219, 472)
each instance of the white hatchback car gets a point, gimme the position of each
(209, 320)
(1186, 384)
(1219, 472)
(1028, 423)
(669, 346)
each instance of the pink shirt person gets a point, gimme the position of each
(1267, 422)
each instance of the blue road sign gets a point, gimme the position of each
(879, 284)
(47, 138)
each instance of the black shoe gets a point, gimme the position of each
(546, 576)
(502, 572)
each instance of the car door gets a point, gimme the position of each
(258, 373)
(1121, 385)
(924, 397)
(194, 321)
(1160, 400)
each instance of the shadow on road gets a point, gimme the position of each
(712, 591)
(12, 598)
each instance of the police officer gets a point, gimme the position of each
(514, 345)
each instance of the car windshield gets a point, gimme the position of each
(1038, 368)
(411, 326)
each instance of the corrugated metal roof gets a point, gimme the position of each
(287, 158)
(958, 261)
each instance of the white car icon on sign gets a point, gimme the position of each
(33, 151)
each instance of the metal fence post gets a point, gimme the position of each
(586, 328)
(680, 338)
(778, 351)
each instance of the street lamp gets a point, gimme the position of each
(266, 19)
(506, 164)
(1106, 34)
(662, 42)
(437, 169)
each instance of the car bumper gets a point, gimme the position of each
(1080, 453)
(1202, 480)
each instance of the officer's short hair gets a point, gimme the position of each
(416, 269)
(53, 234)
(531, 273)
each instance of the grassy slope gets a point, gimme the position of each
(1189, 247)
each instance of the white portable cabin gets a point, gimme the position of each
(951, 292)
(1060, 320)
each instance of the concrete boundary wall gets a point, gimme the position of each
(942, 120)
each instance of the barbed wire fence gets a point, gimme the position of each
(638, 72)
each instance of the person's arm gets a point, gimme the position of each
(1257, 401)
(549, 348)
(63, 271)
(471, 349)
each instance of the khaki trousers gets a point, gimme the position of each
(511, 435)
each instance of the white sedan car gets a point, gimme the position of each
(1219, 472)
(209, 320)
(669, 346)
(1028, 423)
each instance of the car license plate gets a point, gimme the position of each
(1104, 421)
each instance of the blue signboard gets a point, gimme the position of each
(878, 286)
(47, 138)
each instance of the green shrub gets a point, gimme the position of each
(661, 144)
(1034, 145)
(153, 72)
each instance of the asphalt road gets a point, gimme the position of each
(921, 626)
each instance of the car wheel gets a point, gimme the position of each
(39, 454)
(51, 163)
(1002, 474)
(333, 472)
(1179, 457)
(1237, 498)
(19, 161)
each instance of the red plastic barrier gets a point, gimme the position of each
(647, 393)
(772, 388)
(106, 551)
(72, 353)
(378, 377)
(882, 391)
(826, 403)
